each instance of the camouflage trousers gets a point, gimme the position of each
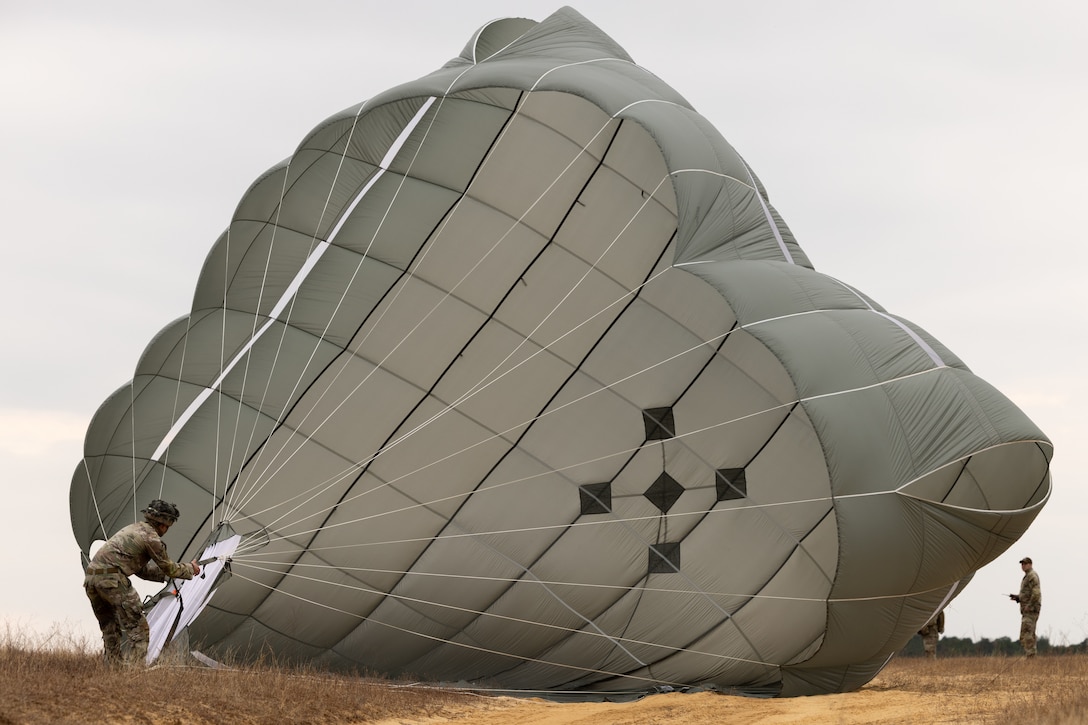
(120, 616)
(929, 643)
(1027, 633)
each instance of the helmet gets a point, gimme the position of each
(161, 512)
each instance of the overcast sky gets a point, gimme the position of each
(931, 154)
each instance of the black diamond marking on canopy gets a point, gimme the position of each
(730, 484)
(595, 498)
(664, 558)
(664, 492)
(659, 424)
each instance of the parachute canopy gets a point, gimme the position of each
(519, 379)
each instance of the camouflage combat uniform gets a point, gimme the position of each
(1031, 601)
(931, 633)
(135, 549)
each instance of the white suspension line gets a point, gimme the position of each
(462, 645)
(324, 486)
(746, 508)
(283, 331)
(177, 401)
(253, 330)
(264, 474)
(484, 382)
(273, 316)
(94, 498)
(243, 498)
(320, 488)
(405, 337)
(485, 377)
(385, 163)
(253, 561)
(710, 600)
(354, 468)
(572, 630)
(132, 421)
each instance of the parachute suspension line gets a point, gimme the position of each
(478, 386)
(273, 317)
(694, 432)
(412, 600)
(219, 397)
(253, 561)
(94, 498)
(352, 470)
(264, 475)
(481, 385)
(416, 266)
(567, 296)
(287, 297)
(486, 376)
(132, 421)
(313, 244)
(485, 382)
(249, 358)
(177, 398)
(626, 452)
(383, 166)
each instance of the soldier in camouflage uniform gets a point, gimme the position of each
(136, 549)
(931, 632)
(1030, 599)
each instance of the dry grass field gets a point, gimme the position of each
(53, 680)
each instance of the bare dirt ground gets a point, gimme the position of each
(37, 687)
(963, 690)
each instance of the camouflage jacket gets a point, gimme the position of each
(137, 549)
(1031, 596)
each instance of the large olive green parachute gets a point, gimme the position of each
(512, 375)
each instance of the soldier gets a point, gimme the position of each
(136, 549)
(1030, 599)
(930, 633)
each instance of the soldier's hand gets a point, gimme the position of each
(196, 567)
(1015, 598)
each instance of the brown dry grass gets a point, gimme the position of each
(55, 680)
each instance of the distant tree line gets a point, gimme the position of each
(1002, 646)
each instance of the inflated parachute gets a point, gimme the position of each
(512, 375)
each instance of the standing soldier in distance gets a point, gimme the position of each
(136, 549)
(930, 633)
(1030, 599)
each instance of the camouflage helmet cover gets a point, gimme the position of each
(161, 512)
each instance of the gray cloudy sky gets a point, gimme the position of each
(931, 154)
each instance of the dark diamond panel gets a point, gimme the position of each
(664, 492)
(664, 558)
(731, 484)
(659, 424)
(595, 498)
